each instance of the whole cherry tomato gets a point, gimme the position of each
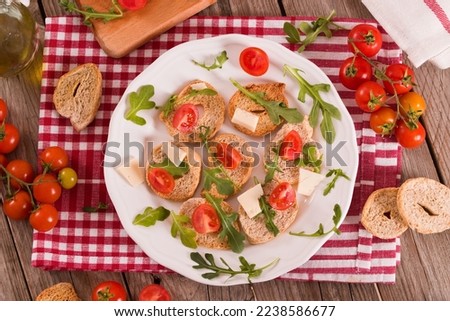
(132, 4)
(18, 206)
(46, 188)
(412, 106)
(20, 169)
(9, 138)
(229, 156)
(161, 180)
(54, 157)
(67, 177)
(366, 38)
(370, 96)
(154, 292)
(185, 118)
(254, 61)
(109, 291)
(354, 71)
(383, 121)
(283, 196)
(3, 110)
(44, 218)
(402, 78)
(409, 138)
(4, 162)
(205, 219)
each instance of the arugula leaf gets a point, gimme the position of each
(272, 167)
(329, 111)
(218, 62)
(204, 91)
(168, 106)
(337, 173)
(234, 238)
(151, 215)
(320, 231)
(309, 158)
(89, 13)
(215, 176)
(140, 100)
(187, 235)
(175, 171)
(100, 207)
(275, 109)
(269, 214)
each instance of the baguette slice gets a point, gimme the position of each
(186, 185)
(255, 228)
(77, 95)
(425, 205)
(240, 175)
(380, 215)
(63, 291)
(211, 112)
(209, 240)
(273, 92)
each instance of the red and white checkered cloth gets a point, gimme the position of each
(97, 241)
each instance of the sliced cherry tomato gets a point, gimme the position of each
(20, 169)
(354, 71)
(283, 196)
(383, 121)
(3, 110)
(9, 138)
(409, 138)
(402, 77)
(46, 188)
(229, 156)
(185, 118)
(370, 96)
(161, 180)
(412, 106)
(292, 145)
(18, 206)
(44, 218)
(109, 291)
(54, 157)
(205, 219)
(254, 61)
(154, 292)
(67, 177)
(366, 38)
(132, 4)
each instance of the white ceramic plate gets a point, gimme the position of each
(168, 74)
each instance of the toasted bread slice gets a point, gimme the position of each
(272, 91)
(380, 215)
(425, 205)
(186, 185)
(209, 240)
(288, 170)
(63, 291)
(77, 95)
(255, 228)
(242, 173)
(211, 112)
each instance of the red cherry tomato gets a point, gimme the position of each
(366, 38)
(185, 118)
(283, 196)
(46, 188)
(370, 96)
(18, 206)
(205, 219)
(354, 71)
(109, 291)
(132, 4)
(44, 218)
(228, 155)
(161, 180)
(409, 138)
(3, 110)
(154, 292)
(54, 157)
(402, 77)
(9, 138)
(20, 169)
(383, 121)
(254, 61)
(291, 147)
(4, 162)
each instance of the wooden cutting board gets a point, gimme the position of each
(121, 36)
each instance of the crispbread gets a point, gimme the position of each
(63, 291)
(380, 215)
(425, 205)
(272, 91)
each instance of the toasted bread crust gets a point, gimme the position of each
(63, 291)
(273, 92)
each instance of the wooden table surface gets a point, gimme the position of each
(424, 270)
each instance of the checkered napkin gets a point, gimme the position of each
(97, 241)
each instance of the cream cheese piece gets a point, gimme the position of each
(245, 119)
(308, 181)
(199, 86)
(249, 200)
(134, 174)
(175, 154)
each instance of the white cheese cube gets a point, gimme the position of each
(134, 174)
(308, 181)
(245, 119)
(199, 86)
(249, 200)
(175, 154)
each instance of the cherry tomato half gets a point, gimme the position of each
(283, 196)
(185, 118)
(370, 96)
(67, 177)
(366, 38)
(46, 188)
(354, 71)
(44, 218)
(383, 121)
(20, 169)
(9, 138)
(154, 292)
(109, 291)
(291, 147)
(412, 106)
(409, 138)
(161, 180)
(132, 4)
(402, 78)
(54, 157)
(3, 110)
(254, 61)
(18, 206)
(205, 219)
(229, 156)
